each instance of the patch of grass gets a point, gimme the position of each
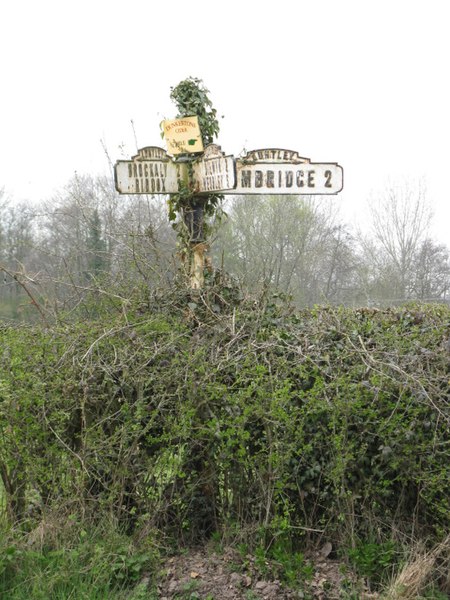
(96, 568)
(416, 579)
(373, 561)
(281, 562)
(189, 592)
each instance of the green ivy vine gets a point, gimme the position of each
(191, 99)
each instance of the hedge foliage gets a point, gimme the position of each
(192, 413)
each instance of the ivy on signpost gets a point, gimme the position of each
(191, 209)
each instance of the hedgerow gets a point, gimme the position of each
(190, 413)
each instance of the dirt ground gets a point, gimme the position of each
(202, 574)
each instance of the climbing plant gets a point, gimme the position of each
(191, 99)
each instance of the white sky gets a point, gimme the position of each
(361, 83)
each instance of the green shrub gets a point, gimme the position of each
(374, 561)
(194, 413)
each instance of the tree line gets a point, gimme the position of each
(87, 242)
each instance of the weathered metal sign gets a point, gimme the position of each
(214, 172)
(183, 135)
(151, 171)
(277, 171)
(267, 171)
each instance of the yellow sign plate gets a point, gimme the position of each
(183, 135)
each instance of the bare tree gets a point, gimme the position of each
(291, 243)
(431, 278)
(17, 235)
(93, 241)
(400, 221)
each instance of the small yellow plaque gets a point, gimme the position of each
(183, 135)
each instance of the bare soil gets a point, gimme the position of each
(202, 574)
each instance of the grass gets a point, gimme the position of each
(415, 579)
(100, 565)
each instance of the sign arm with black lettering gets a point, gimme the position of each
(268, 171)
(214, 173)
(151, 171)
(276, 171)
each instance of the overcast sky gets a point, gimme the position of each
(361, 83)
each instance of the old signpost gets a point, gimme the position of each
(267, 171)
(201, 173)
